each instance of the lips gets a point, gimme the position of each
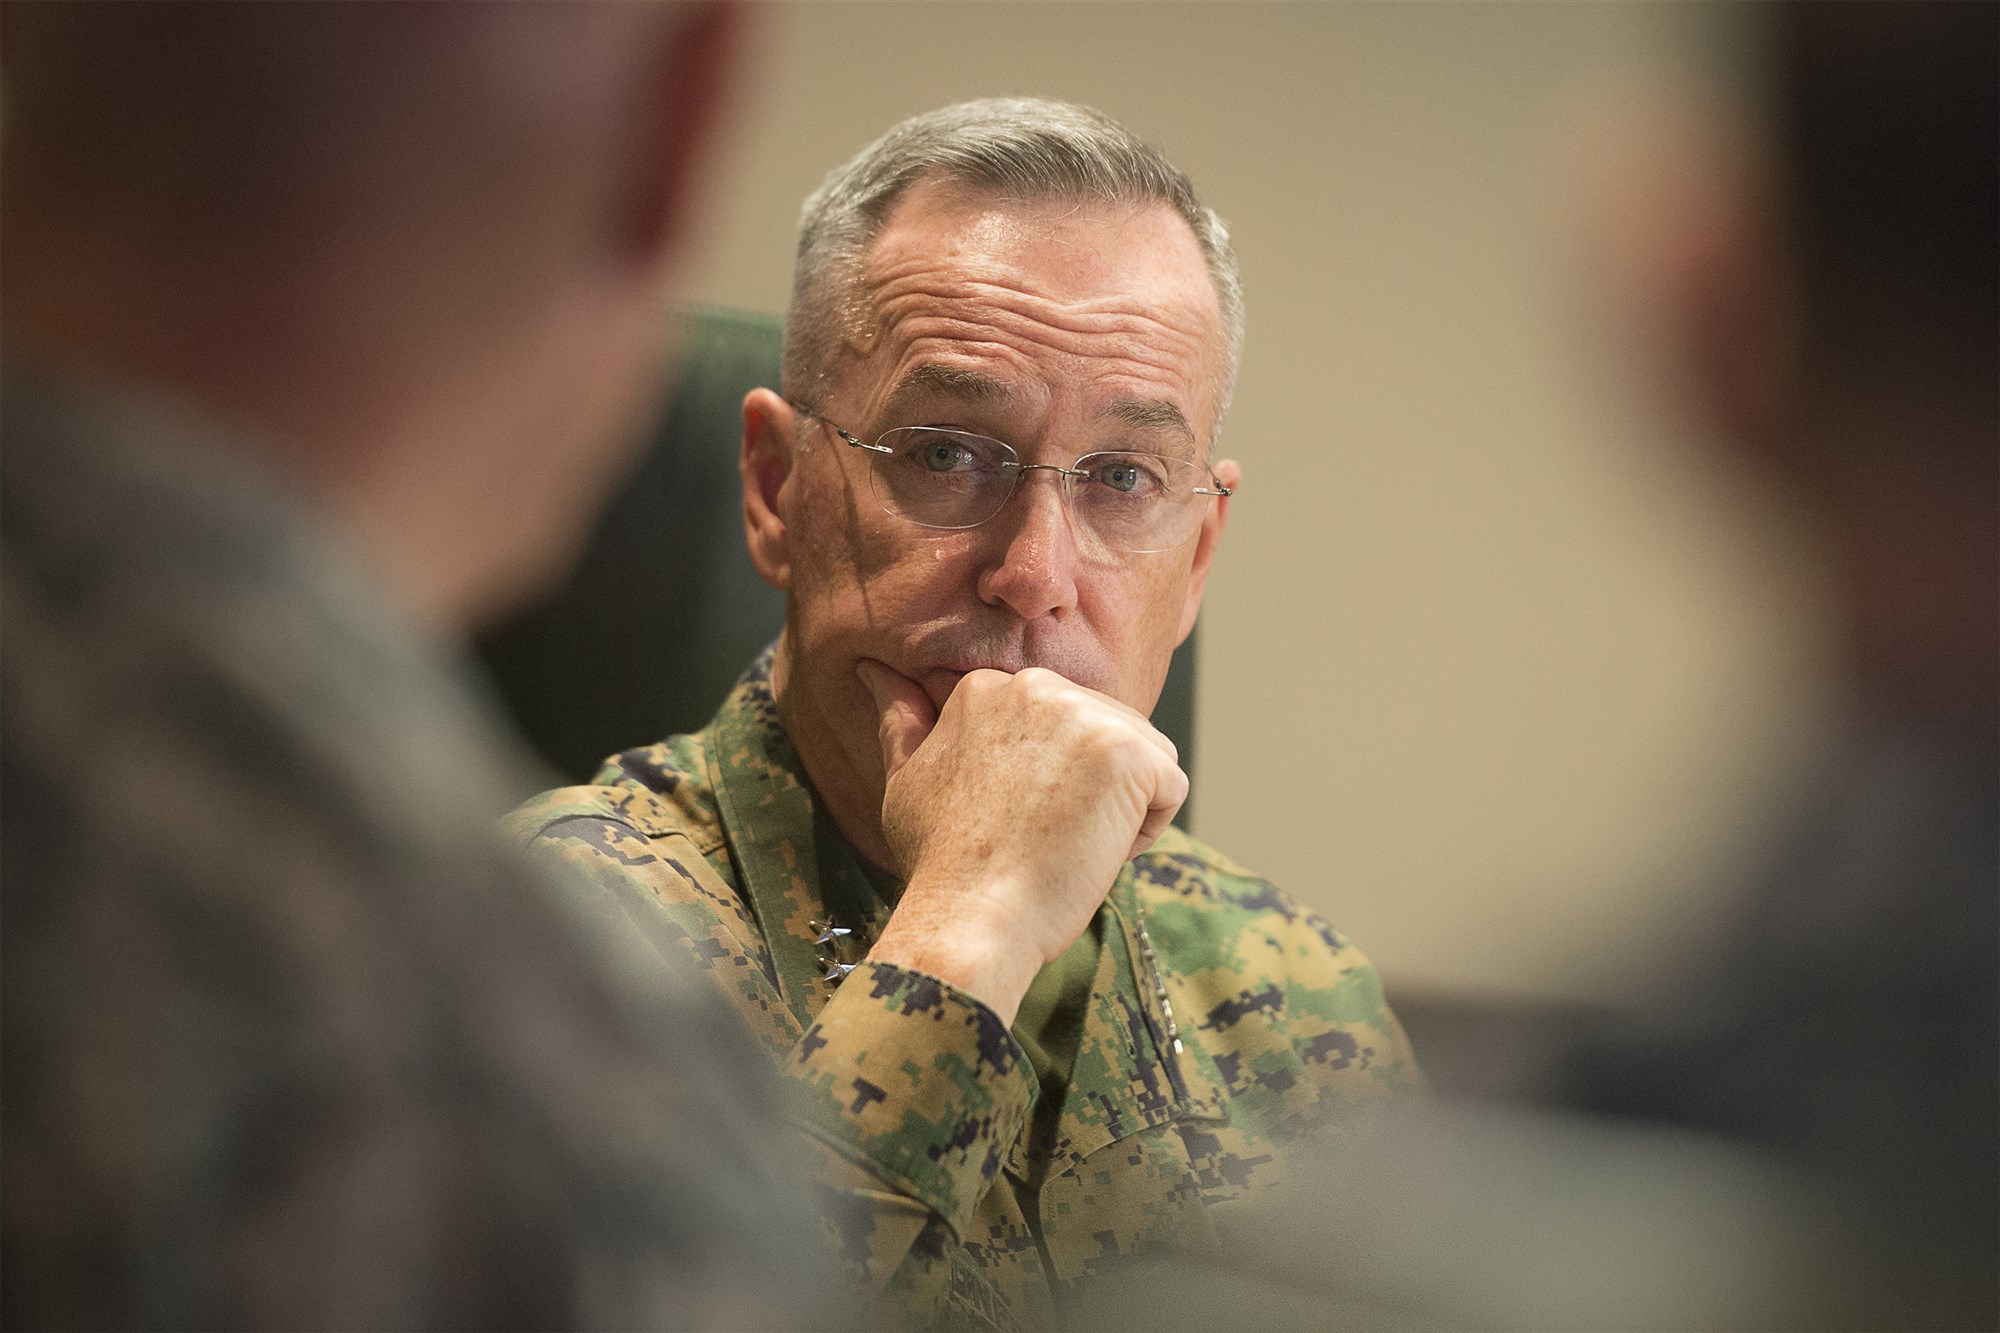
(950, 662)
(939, 682)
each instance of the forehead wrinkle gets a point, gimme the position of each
(1092, 316)
(1143, 343)
(1082, 269)
(920, 300)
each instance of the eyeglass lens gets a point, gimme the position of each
(1133, 502)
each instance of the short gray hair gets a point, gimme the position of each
(1021, 147)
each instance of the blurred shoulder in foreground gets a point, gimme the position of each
(323, 328)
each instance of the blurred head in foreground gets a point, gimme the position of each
(419, 254)
(323, 323)
(1832, 313)
(1827, 307)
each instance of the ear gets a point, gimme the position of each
(693, 70)
(1681, 224)
(1728, 331)
(770, 429)
(1205, 542)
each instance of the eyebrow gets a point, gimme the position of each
(1151, 414)
(933, 380)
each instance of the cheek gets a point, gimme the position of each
(1155, 598)
(822, 522)
(1138, 620)
(839, 530)
(856, 568)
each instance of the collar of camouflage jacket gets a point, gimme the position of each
(1127, 1074)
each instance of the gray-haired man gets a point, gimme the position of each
(925, 845)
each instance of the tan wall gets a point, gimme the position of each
(1496, 668)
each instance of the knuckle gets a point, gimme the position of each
(1114, 741)
(1038, 678)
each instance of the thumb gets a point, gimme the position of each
(905, 712)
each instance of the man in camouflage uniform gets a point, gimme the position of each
(925, 844)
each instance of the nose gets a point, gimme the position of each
(1033, 566)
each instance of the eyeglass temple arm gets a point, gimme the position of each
(857, 444)
(849, 440)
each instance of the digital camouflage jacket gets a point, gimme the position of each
(1223, 1020)
(292, 1039)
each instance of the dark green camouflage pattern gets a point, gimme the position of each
(917, 1096)
(293, 1041)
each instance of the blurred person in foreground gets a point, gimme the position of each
(1803, 1134)
(1837, 325)
(324, 328)
(924, 848)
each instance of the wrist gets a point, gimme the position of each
(983, 959)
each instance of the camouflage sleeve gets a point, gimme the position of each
(913, 1090)
(625, 860)
(907, 1090)
(1339, 1016)
(1288, 1016)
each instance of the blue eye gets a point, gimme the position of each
(1120, 477)
(1127, 476)
(944, 455)
(939, 452)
